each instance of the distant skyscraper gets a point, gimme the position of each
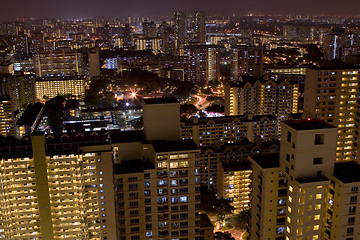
(149, 29)
(21, 89)
(199, 27)
(180, 28)
(246, 60)
(202, 63)
(126, 36)
(94, 62)
(339, 44)
(166, 33)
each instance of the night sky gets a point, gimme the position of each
(11, 9)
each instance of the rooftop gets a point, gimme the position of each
(133, 166)
(347, 172)
(160, 100)
(173, 146)
(308, 124)
(267, 160)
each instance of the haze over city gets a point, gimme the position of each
(93, 8)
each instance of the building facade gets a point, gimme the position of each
(69, 87)
(201, 63)
(52, 190)
(7, 117)
(331, 94)
(230, 129)
(21, 89)
(259, 97)
(63, 62)
(313, 197)
(246, 60)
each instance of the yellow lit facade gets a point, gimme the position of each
(47, 88)
(316, 198)
(234, 184)
(268, 198)
(57, 196)
(343, 205)
(259, 97)
(7, 121)
(332, 95)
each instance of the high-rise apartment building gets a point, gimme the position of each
(199, 27)
(69, 87)
(126, 36)
(331, 94)
(234, 184)
(230, 129)
(246, 60)
(21, 89)
(149, 29)
(307, 157)
(179, 28)
(201, 63)
(339, 45)
(57, 190)
(343, 205)
(302, 193)
(268, 198)
(231, 156)
(155, 44)
(157, 178)
(62, 62)
(7, 117)
(94, 62)
(259, 96)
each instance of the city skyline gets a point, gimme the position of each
(89, 9)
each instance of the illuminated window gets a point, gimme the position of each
(174, 165)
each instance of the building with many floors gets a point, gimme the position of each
(64, 62)
(57, 188)
(229, 129)
(331, 94)
(202, 63)
(20, 88)
(7, 117)
(69, 87)
(246, 60)
(301, 193)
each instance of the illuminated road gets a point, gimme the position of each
(201, 102)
